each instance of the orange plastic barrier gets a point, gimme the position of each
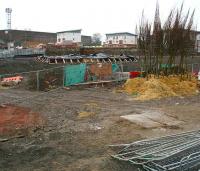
(17, 79)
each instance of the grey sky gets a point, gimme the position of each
(103, 16)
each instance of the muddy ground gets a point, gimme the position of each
(81, 123)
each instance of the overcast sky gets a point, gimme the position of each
(103, 16)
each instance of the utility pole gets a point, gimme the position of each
(8, 15)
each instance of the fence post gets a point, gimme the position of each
(63, 76)
(38, 81)
(141, 69)
(122, 68)
(192, 68)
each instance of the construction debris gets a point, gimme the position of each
(153, 119)
(175, 152)
(156, 88)
(11, 81)
(67, 59)
(18, 120)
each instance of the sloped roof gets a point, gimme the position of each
(15, 30)
(71, 31)
(121, 33)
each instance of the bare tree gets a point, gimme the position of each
(175, 39)
(96, 39)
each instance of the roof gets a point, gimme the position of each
(85, 36)
(121, 33)
(71, 31)
(15, 30)
(198, 32)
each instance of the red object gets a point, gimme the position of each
(17, 78)
(134, 74)
(14, 119)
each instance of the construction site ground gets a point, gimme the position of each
(79, 124)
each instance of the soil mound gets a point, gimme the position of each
(156, 88)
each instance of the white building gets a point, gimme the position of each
(123, 39)
(198, 41)
(69, 37)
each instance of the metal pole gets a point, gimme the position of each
(38, 81)
(122, 69)
(192, 68)
(63, 76)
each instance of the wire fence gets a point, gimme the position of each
(79, 74)
(68, 75)
(175, 152)
(43, 80)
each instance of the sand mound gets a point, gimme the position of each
(85, 114)
(89, 110)
(156, 88)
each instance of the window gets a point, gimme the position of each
(59, 40)
(124, 37)
(116, 37)
(63, 39)
(121, 42)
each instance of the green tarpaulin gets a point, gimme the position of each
(167, 65)
(74, 74)
(115, 68)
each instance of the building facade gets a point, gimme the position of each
(69, 37)
(86, 40)
(22, 37)
(198, 41)
(123, 39)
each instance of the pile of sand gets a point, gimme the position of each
(3, 88)
(89, 110)
(156, 88)
(85, 114)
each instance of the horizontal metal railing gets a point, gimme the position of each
(21, 52)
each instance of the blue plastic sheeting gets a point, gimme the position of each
(115, 68)
(74, 74)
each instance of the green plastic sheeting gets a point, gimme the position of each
(74, 74)
(166, 65)
(115, 68)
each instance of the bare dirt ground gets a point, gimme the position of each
(81, 123)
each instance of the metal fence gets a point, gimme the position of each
(70, 75)
(43, 80)
(171, 153)
(21, 52)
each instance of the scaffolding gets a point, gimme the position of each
(8, 15)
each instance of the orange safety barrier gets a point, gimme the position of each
(17, 79)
